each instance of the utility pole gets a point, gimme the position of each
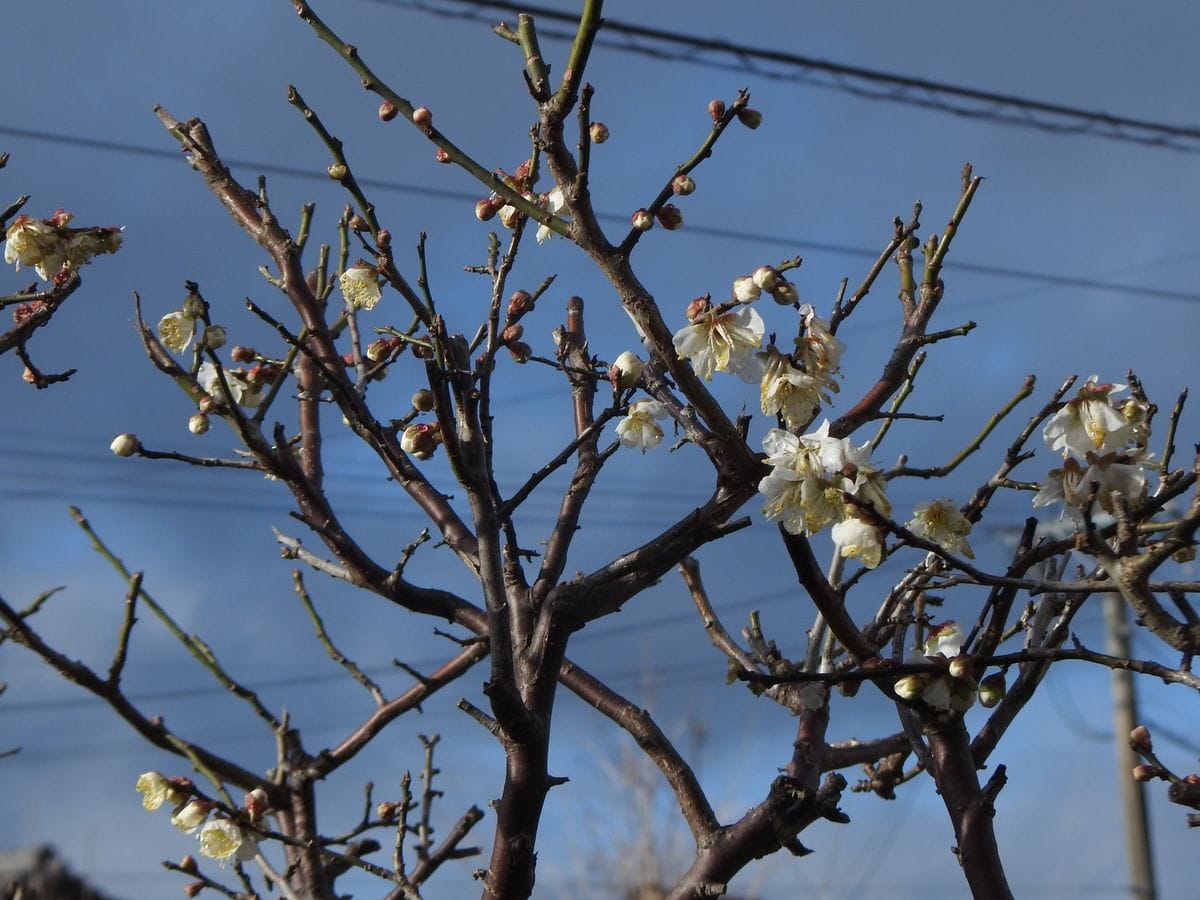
(1125, 718)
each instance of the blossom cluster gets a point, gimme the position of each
(1103, 443)
(220, 837)
(52, 248)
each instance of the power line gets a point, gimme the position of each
(863, 82)
(789, 243)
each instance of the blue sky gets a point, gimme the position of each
(827, 170)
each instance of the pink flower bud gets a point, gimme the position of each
(683, 185)
(422, 118)
(188, 865)
(670, 217)
(383, 237)
(357, 223)
(642, 220)
(1139, 739)
(716, 109)
(487, 209)
(698, 307)
(519, 304)
(28, 376)
(422, 400)
(512, 333)
(338, 171)
(242, 354)
(387, 810)
(442, 156)
(598, 132)
(520, 351)
(125, 445)
(387, 111)
(751, 118)
(256, 804)
(193, 889)
(1145, 772)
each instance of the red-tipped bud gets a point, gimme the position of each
(387, 810)
(519, 304)
(357, 223)
(625, 371)
(422, 117)
(512, 333)
(598, 132)
(520, 351)
(29, 376)
(422, 400)
(521, 175)
(383, 238)
(670, 217)
(683, 185)
(188, 865)
(751, 118)
(698, 307)
(418, 441)
(208, 403)
(716, 109)
(387, 111)
(486, 210)
(1139, 739)
(193, 889)
(642, 220)
(242, 354)
(377, 350)
(442, 156)
(1145, 772)
(256, 804)
(338, 171)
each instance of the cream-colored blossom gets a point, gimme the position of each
(723, 342)
(191, 815)
(941, 522)
(945, 639)
(1113, 473)
(639, 429)
(555, 203)
(29, 241)
(788, 391)
(175, 330)
(242, 391)
(154, 788)
(820, 351)
(1089, 423)
(625, 371)
(360, 286)
(856, 539)
(224, 840)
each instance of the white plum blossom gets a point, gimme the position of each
(224, 840)
(856, 539)
(176, 330)
(1089, 423)
(155, 790)
(191, 815)
(820, 351)
(31, 242)
(242, 391)
(788, 391)
(360, 286)
(49, 246)
(639, 429)
(723, 341)
(798, 493)
(1111, 473)
(941, 522)
(945, 639)
(555, 203)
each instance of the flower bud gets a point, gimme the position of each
(625, 371)
(785, 293)
(642, 220)
(1139, 739)
(598, 132)
(387, 111)
(377, 350)
(422, 118)
(716, 109)
(521, 175)
(198, 424)
(418, 441)
(485, 210)
(188, 865)
(745, 290)
(683, 185)
(256, 804)
(214, 337)
(208, 403)
(992, 690)
(519, 304)
(357, 223)
(387, 810)
(422, 400)
(442, 156)
(766, 277)
(28, 376)
(512, 333)
(338, 171)
(125, 445)
(193, 306)
(383, 238)
(909, 687)
(697, 308)
(191, 815)
(1184, 554)
(193, 889)
(520, 351)
(1144, 772)
(751, 118)
(509, 216)
(670, 217)
(960, 667)
(242, 354)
